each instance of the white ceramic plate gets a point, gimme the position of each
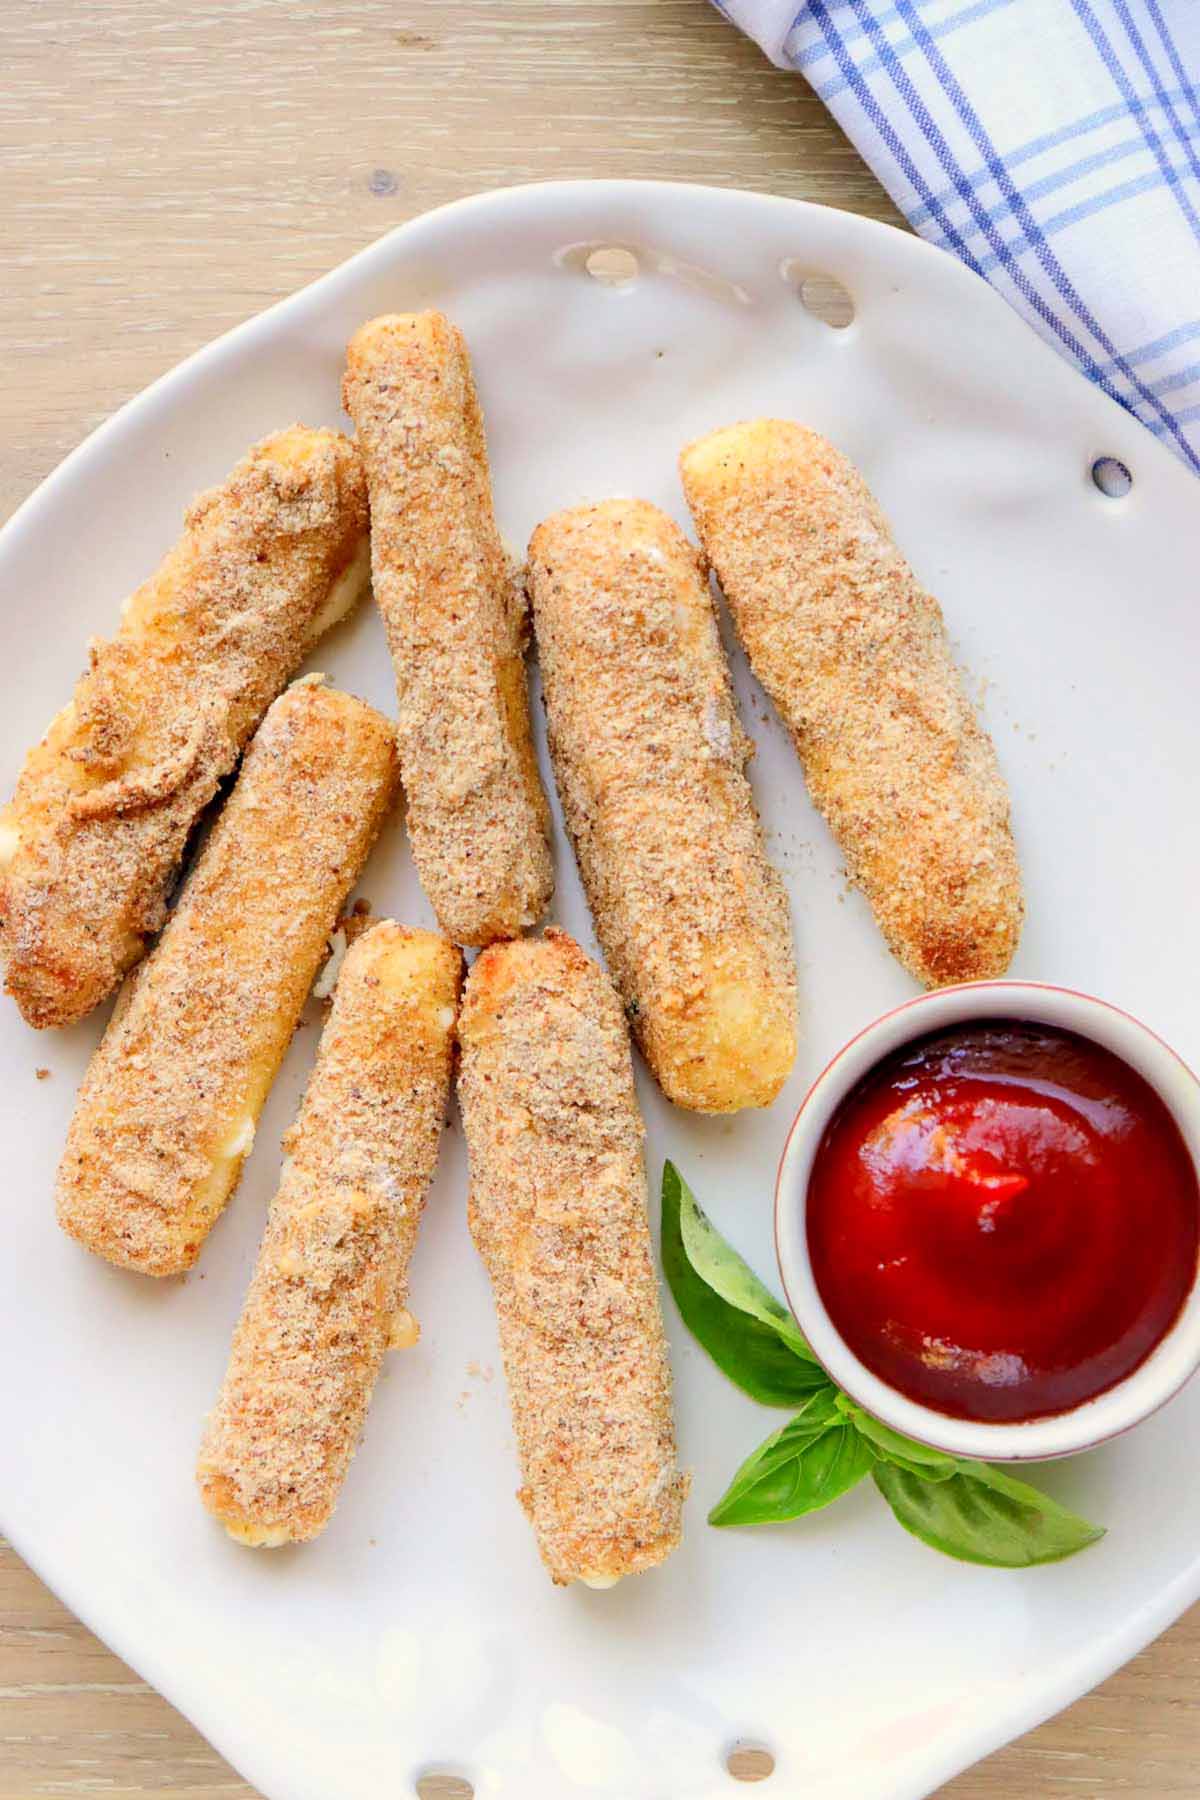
(420, 1632)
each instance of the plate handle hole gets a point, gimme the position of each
(612, 266)
(439, 1784)
(825, 298)
(750, 1762)
(1111, 477)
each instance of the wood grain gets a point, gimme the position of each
(168, 167)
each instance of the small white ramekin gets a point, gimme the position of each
(1167, 1367)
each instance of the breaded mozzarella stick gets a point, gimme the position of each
(455, 618)
(328, 1292)
(558, 1212)
(166, 1113)
(104, 806)
(650, 761)
(854, 654)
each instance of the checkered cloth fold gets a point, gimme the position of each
(1053, 145)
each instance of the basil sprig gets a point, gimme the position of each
(967, 1510)
(749, 1335)
(814, 1459)
(982, 1515)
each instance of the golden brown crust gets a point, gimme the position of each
(455, 618)
(649, 757)
(854, 654)
(331, 1279)
(105, 803)
(167, 1110)
(558, 1212)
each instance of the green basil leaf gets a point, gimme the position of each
(905, 1452)
(817, 1457)
(745, 1330)
(719, 1264)
(982, 1515)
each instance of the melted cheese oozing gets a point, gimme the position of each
(345, 592)
(404, 1332)
(326, 981)
(260, 1537)
(240, 1141)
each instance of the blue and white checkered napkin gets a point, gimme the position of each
(1054, 145)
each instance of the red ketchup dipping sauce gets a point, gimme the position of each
(1003, 1220)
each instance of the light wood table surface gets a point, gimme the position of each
(168, 167)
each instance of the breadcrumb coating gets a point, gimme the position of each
(329, 1288)
(167, 1110)
(456, 624)
(650, 761)
(105, 803)
(557, 1209)
(854, 654)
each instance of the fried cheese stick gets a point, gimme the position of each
(328, 1293)
(456, 624)
(105, 803)
(650, 762)
(854, 654)
(166, 1113)
(558, 1212)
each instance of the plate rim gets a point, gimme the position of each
(961, 1748)
(855, 223)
